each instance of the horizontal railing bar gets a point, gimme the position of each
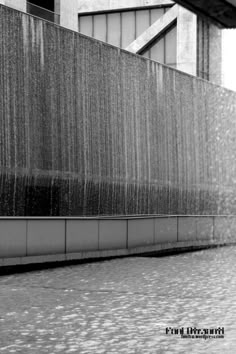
(42, 8)
(121, 217)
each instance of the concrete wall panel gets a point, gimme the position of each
(140, 232)
(12, 238)
(187, 228)
(165, 230)
(81, 235)
(204, 228)
(112, 234)
(225, 228)
(45, 237)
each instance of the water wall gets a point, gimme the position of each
(89, 129)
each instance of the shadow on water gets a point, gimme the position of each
(16, 269)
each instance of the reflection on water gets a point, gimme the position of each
(121, 306)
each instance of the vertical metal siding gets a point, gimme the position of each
(128, 28)
(157, 51)
(86, 25)
(156, 14)
(171, 44)
(121, 28)
(114, 29)
(100, 27)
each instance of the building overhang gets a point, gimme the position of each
(102, 6)
(221, 12)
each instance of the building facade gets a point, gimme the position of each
(157, 29)
(62, 12)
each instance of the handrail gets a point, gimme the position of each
(43, 13)
(113, 217)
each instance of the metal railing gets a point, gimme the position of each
(43, 13)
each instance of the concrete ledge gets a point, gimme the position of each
(28, 241)
(154, 250)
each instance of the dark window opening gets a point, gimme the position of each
(46, 4)
(44, 9)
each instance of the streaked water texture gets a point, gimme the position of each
(121, 306)
(89, 129)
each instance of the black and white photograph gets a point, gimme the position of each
(117, 176)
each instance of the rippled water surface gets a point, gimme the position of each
(121, 306)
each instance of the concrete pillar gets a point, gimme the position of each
(187, 41)
(154, 30)
(215, 55)
(68, 11)
(15, 4)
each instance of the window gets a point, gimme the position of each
(44, 9)
(122, 28)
